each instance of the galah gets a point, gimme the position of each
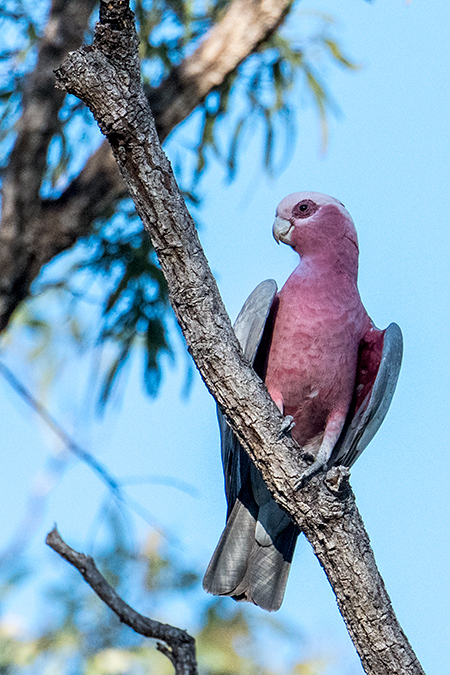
(331, 373)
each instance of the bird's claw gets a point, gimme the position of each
(287, 425)
(311, 471)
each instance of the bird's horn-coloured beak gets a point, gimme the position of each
(281, 229)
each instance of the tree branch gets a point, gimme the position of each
(181, 646)
(243, 28)
(106, 76)
(22, 214)
(33, 231)
(115, 486)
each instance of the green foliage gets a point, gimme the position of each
(81, 635)
(263, 91)
(136, 306)
(117, 258)
(128, 312)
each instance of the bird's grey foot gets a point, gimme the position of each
(311, 471)
(319, 464)
(287, 425)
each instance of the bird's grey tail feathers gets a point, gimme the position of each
(243, 569)
(253, 557)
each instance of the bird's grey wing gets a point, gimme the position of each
(249, 328)
(379, 362)
(251, 320)
(252, 559)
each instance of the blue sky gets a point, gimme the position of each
(388, 162)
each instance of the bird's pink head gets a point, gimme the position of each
(315, 224)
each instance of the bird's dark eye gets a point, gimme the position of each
(304, 209)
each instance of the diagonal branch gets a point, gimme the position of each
(114, 486)
(34, 232)
(106, 76)
(180, 645)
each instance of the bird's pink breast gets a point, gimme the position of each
(312, 360)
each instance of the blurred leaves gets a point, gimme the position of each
(113, 298)
(77, 633)
(136, 305)
(160, 572)
(264, 87)
(117, 260)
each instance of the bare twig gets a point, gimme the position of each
(180, 645)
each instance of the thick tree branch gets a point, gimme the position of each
(106, 77)
(41, 103)
(33, 232)
(181, 646)
(23, 219)
(243, 28)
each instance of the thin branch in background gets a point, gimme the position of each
(180, 647)
(113, 485)
(76, 449)
(166, 481)
(37, 499)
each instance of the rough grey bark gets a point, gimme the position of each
(180, 645)
(34, 231)
(106, 76)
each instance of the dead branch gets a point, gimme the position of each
(180, 645)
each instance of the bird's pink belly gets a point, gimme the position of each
(311, 372)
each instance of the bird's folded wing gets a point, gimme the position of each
(379, 361)
(249, 328)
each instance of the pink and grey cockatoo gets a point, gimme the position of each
(330, 371)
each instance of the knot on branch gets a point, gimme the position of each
(119, 42)
(106, 77)
(327, 498)
(337, 481)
